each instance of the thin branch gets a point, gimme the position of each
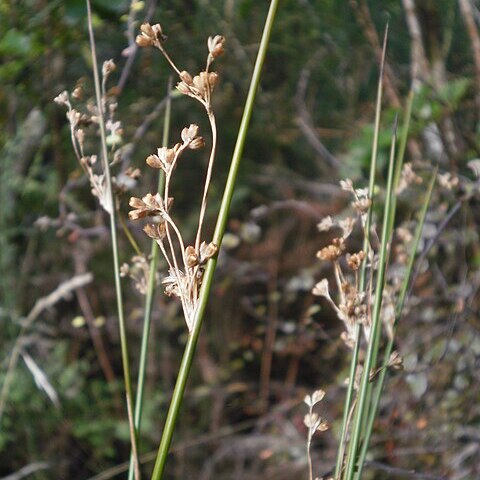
(364, 17)
(63, 290)
(305, 122)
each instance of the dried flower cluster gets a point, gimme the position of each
(185, 262)
(314, 422)
(80, 122)
(352, 305)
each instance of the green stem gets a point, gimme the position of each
(113, 230)
(147, 319)
(366, 246)
(398, 314)
(372, 351)
(217, 239)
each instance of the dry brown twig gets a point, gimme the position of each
(63, 290)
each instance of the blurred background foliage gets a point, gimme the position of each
(266, 341)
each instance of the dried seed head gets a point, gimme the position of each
(77, 93)
(395, 361)
(147, 29)
(333, 251)
(355, 260)
(108, 67)
(407, 178)
(189, 133)
(316, 397)
(156, 231)
(80, 136)
(326, 224)
(191, 257)
(151, 35)
(321, 289)
(448, 180)
(207, 251)
(362, 204)
(154, 162)
(186, 78)
(216, 46)
(200, 83)
(149, 205)
(158, 32)
(62, 98)
(197, 143)
(183, 88)
(212, 80)
(143, 41)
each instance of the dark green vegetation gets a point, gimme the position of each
(266, 340)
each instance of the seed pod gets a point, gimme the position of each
(191, 257)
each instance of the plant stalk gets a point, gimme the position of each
(217, 239)
(372, 351)
(398, 313)
(366, 246)
(147, 318)
(113, 230)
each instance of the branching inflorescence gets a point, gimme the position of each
(185, 262)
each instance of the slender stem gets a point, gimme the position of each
(147, 319)
(309, 458)
(217, 238)
(362, 406)
(398, 313)
(211, 118)
(366, 246)
(129, 236)
(116, 260)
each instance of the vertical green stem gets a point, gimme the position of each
(370, 360)
(366, 246)
(113, 230)
(398, 314)
(217, 239)
(147, 319)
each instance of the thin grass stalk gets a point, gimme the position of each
(388, 216)
(396, 179)
(217, 239)
(366, 246)
(116, 260)
(401, 150)
(398, 313)
(147, 318)
(362, 405)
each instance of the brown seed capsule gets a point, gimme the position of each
(207, 251)
(191, 257)
(156, 231)
(147, 29)
(143, 41)
(154, 162)
(186, 77)
(183, 88)
(216, 45)
(196, 143)
(212, 80)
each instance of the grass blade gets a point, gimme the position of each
(398, 314)
(372, 351)
(366, 245)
